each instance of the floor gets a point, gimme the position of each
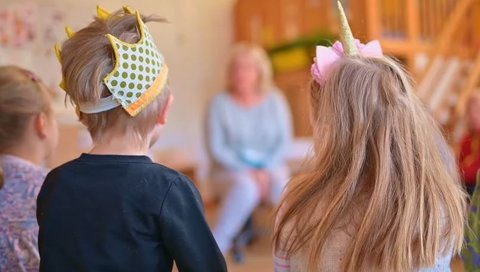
(258, 255)
(258, 258)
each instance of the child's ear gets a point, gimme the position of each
(162, 119)
(81, 119)
(40, 124)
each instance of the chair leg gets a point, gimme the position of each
(238, 256)
(244, 238)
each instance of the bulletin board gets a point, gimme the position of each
(28, 31)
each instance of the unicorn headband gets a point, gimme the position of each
(348, 46)
(139, 76)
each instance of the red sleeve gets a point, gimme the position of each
(465, 147)
(468, 165)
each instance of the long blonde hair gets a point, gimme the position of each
(374, 143)
(22, 95)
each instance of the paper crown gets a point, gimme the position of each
(139, 75)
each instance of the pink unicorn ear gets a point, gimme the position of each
(372, 49)
(325, 58)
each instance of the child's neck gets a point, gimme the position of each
(120, 146)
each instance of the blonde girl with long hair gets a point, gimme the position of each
(28, 134)
(381, 192)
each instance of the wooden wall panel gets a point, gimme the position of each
(317, 16)
(256, 21)
(269, 22)
(295, 86)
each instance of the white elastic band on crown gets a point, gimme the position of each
(104, 104)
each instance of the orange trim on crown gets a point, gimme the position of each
(152, 92)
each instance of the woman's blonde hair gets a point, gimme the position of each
(88, 57)
(260, 57)
(380, 164)
(22, 96)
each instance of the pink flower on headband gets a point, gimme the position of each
(327, 56)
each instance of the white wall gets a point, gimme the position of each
(195, 43)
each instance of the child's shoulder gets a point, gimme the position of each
(117, 168)
(173, 176)
(147, 181)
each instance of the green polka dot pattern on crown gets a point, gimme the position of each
(135, 68)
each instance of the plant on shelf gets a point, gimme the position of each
(298, 54)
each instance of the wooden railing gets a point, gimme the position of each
(453, 70)
(411, 20)
(444, 34)
(405, 27)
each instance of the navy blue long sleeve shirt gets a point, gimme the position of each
(122, 213)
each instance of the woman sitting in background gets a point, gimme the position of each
(28, 133)
(249, 129)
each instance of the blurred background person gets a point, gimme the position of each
(249, 133)
(28, 134)
(469, 159)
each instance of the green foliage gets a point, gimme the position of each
(308, 43)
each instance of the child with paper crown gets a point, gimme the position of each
(114, 209)
(28, 135)
(382, 191)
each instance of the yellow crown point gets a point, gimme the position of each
(69, 31)
(128, 10)
(346, 36)
(102, 13)
(62, 85)
(58, 52)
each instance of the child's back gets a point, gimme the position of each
(114, 209)
(122, 213)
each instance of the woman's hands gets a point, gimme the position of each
(263, 180)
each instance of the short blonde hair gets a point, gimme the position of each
(87, 58)
(260, 57)
(22, 95)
